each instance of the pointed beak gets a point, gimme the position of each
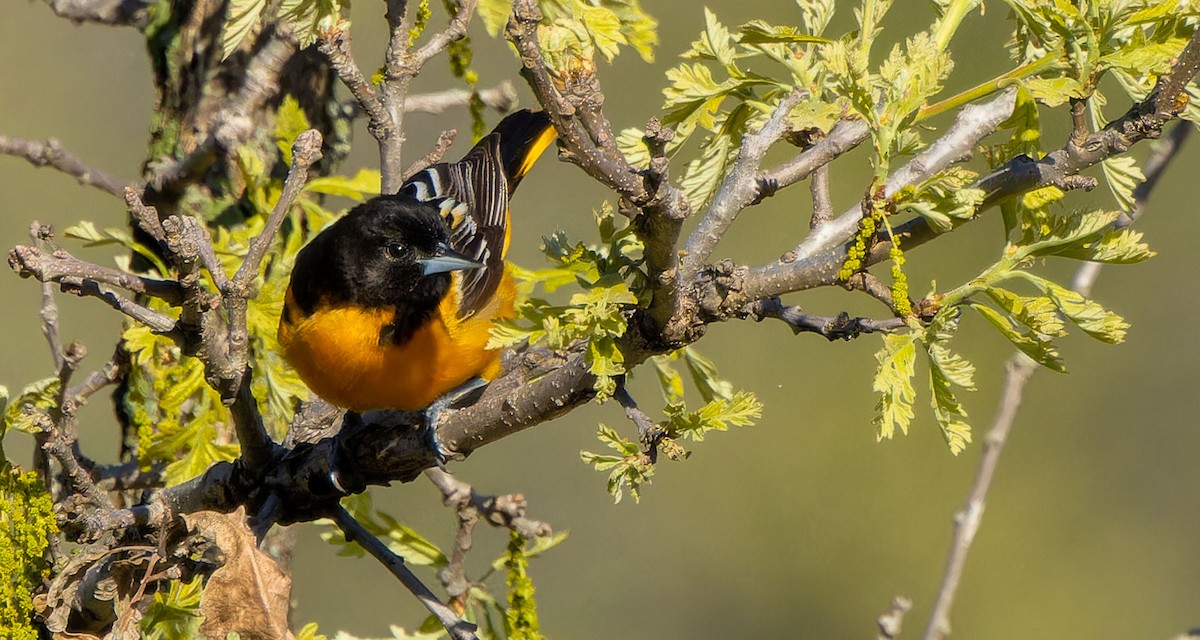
(446, 259)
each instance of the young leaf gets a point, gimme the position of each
(240, 20)
(1095, 320)
(704, 375)
(947, 369)
(1039, 314)
(1122, 246)
(629, 469)
(1029, 342)
(893, 381)
(36, 398)
(1123, 175)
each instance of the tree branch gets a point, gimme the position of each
(52, 154)
(840, 327)
(1018, 371)
(445, 139)
(502, 98)
(506, 511)
(131, 13)
(818, 258)
(740, 188)
(458, 628)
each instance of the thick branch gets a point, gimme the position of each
(740, 188)
(818, 257)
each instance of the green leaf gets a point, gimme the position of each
(942, 198)
(1029, 342)
(93, 236)
(947, 369)
(1064, 231)
(702, 175)
(893, 381)
(1123, 175)
(715, 43)
(35, 398)
(364, 184)
(308, 17)
(1113, 247)
(494, 14)
(603, 24)
(1093, 319)
(816, 14)
(669, 380)
(741, 410)
(290, 122)
(240, 20)
(759, 32)
(629, 469)
(1054, 92)
(1037, 313)
(704, 375)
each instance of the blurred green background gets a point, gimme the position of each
(800, 527)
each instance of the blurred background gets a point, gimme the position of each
(800, 527)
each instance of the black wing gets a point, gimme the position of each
(473, 194)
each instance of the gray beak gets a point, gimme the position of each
(446, 259)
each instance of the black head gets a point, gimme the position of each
(391, 251)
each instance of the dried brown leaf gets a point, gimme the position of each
(249, 594)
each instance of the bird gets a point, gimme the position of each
(390, 307)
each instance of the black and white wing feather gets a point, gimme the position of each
(473, 196)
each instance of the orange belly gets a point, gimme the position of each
(337, 353)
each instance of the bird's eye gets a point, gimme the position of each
(396, 250)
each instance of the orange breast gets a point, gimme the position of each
(337, 353)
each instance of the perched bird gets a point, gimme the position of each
(390, 307)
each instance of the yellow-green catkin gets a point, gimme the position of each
(419, 23)
(26, 524)
(899, 280)
(857, 252)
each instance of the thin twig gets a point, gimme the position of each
(459, 629)
(839, 327)
(51, 153)
(60, 265)
(445, 139)
(822, 203)
(506, 511)
(644, 423)
(502, 98)
(106, 375)
(890, 622)
(48, 314)
(335, 44)
(157, 322)
(132, 13)
(305, 151)
(1018, 370)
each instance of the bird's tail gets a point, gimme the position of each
(524, 135)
